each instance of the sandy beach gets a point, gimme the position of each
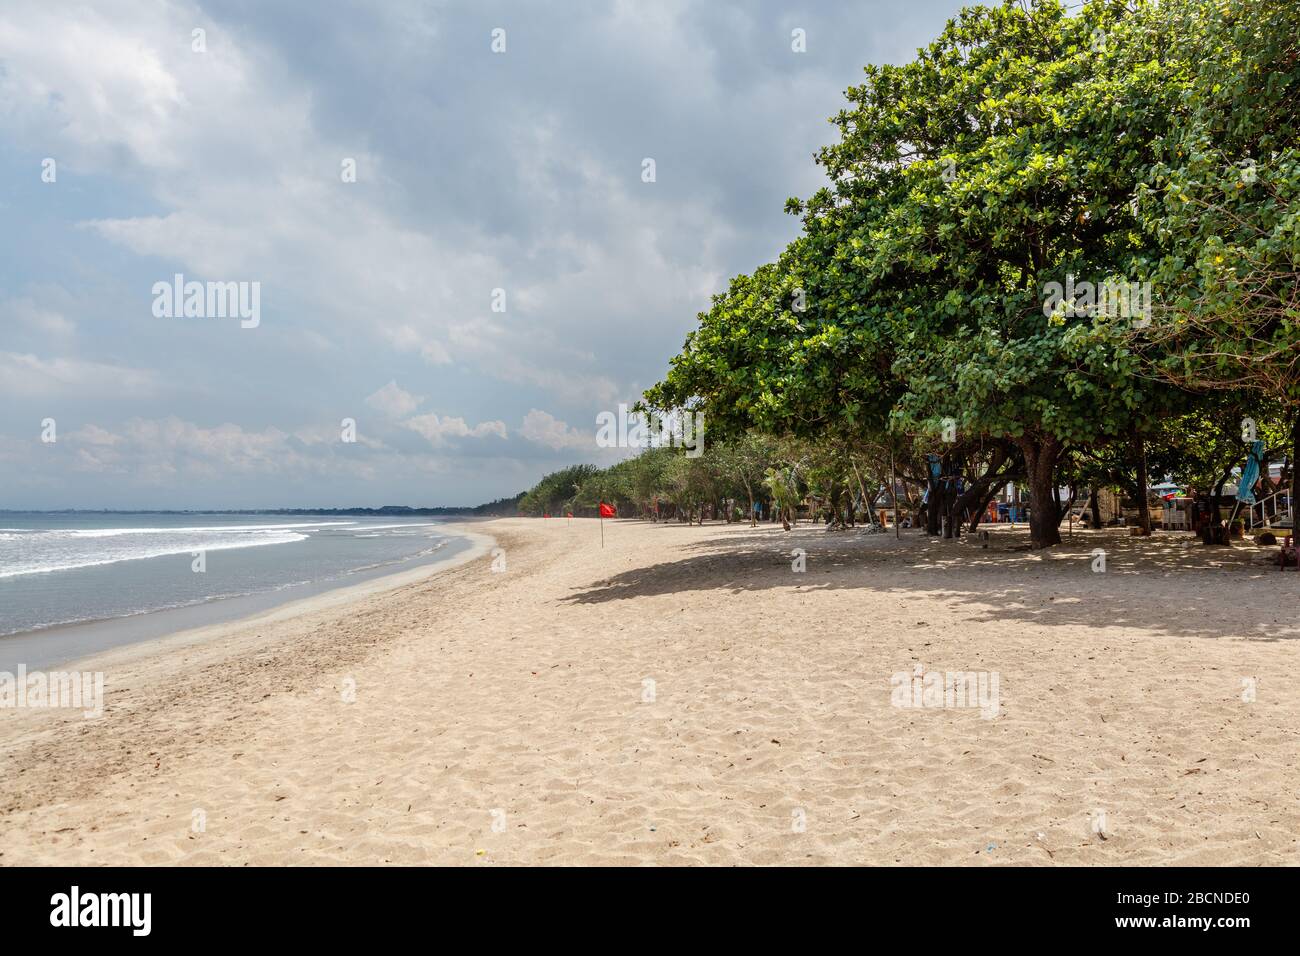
(683, 696)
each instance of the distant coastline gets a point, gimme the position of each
(387, 511)
(502, 506)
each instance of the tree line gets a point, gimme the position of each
(1056, 249)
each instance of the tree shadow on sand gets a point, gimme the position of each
(1168, 584)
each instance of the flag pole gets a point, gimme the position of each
(602, 527)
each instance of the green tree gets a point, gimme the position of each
(1224, 200)
(1001, 159)
(556, 490)
(691, 483)
(743, 462)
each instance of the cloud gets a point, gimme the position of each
(543, 428)
(121, 95)
(437, 429)
(225, 165)
(38, 318)
(94, 435)
(409, 340)
(393, 401)
(590, 250)
(331, 434)
(28, 376)
(166, 448)
(171, 449)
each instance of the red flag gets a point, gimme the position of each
(607, 511)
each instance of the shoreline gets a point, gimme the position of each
(235, 612)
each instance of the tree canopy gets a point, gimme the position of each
(986, 201)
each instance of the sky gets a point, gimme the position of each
(442, 211)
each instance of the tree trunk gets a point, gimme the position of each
(1069, 505)
(978, 515)
(973, 503)
(1213, 532)
(1044, 517)
(1216, 500)
(1143, 500)
(893, 492)
(947, 506)
(1094, 503)
(933, 505)
(953, 508)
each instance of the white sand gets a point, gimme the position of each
(518, 697)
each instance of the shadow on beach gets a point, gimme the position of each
(1168, 584)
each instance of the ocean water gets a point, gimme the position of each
(60, 572)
